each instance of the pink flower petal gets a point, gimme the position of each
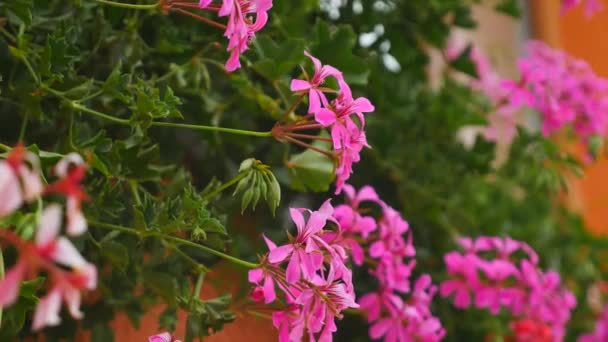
(47, 311)
(9, 286)
(49, 225)
(279, 254)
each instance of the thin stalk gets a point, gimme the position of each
(30, 69)
(308, 146)
(130, 6)
(308, 136)
(134, 191)
(293, 106)
(5, 148)
(302, 127)
(23, 127)
(199, 285)
(177, 240)
(200, 18)
(101, 115)
(225, 186)
(213, 128)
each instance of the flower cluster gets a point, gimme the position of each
(50, 252)
(315, 283)
(487, 271)
(591, 6)
(563, 89)
(241, 27)
(245, 19)
(390, 253)
(336, 115)
(601, 329)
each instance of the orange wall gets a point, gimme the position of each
(587, 38)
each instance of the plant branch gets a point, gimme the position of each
(130, 6)
(225, 186)
(176, 240)
(214, 128)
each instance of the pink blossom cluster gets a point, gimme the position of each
(591, 6)
(565, 90)
(390, 254)
(347, 135)
(487, 275)
(316, 284)
(310, 272)
(241, 27)
(600, 333)
(163, 337)
(51, 253)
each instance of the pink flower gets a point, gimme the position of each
(241, 28)
(303, 253)
(522, 289)
(464, 267)
(43, 253)
(71, 170)
(322, 304)
(600, 333)
(18, 182)
(163, 337)
(316, 96)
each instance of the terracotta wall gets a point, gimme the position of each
(584, 38)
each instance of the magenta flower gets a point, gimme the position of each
(316, 95)
(241, 29)
(522, 289)
(601, 329)
(164, 337)
(303, 252)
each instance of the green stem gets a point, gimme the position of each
(176, 240)
(129, 6)
(214, 128)
(225, 186)
(23, 127)
(78, 106)
(5, 148)
(134, 191)
(199, 285)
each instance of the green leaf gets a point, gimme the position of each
(463, 63)
(161, 283)
(277, 60)
(19, 11)
(102, 333)
(116, 252)
(510, 7)
(335, 47)
(311, 170)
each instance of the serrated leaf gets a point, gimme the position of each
(116, 252)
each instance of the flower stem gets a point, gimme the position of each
(5, 148)
(225, 186)
(213, 128)
(176, 240)
(77, 106)
(199, 284)
(129, 6)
